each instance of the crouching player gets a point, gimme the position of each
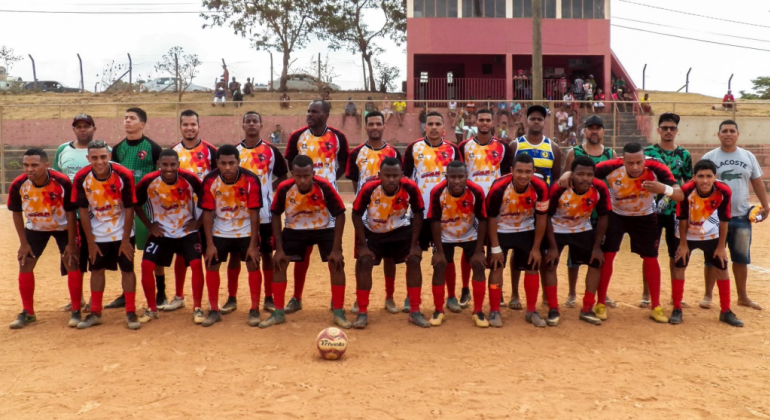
(458, 219)
(570, 225)
(703, 219)
(383, 230)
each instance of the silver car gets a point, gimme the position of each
(304, 82)
(166, 84)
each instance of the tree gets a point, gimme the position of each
(386, 76)
(345, 27)
(110, 74)
(182, 66)
(6, 55)
(761, 87)
(282, 25)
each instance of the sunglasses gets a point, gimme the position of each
(668, 128)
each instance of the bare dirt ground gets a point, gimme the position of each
(627, 368)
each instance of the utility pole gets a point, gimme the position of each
(319, 68)
(130, 73)
(34, 72)
(537, 51)
(271, 71)
(82, 83)
(363, 67)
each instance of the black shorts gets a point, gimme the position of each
(226, 246)
(296, 242)
(708, 247)
(469, 248)
(110, 260)
(521, 244)
(643, 231)
(426, 236)
(83, 245)
(669, 223)
(161, 250)
(580, 246)
(395, 245)
(266, 240)
(38, 241)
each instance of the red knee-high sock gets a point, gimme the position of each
(390, 287)
(677, 292)
(531, 290)
(588, 301)
(197, 282)
(495, 292)
(212, 284)
(131, 302)
(279, 295)
(479, 291)
(606, 275)
(300, 273)
(75, 286)
(338, 297)
(651, 271)
(232, 281)
(255, 288)
(148, 284)
(553, 297)
(268, 276)
(180, 272)
(362, 297)
(96, 302)
(27, 291)
(414, 297)
(724, 294)
(465, 272)
(438, 298)
(450, 278)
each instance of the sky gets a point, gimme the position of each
(56, 38)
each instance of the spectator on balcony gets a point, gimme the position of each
(503, 132)
(562, 85)
(588, 94)
(248, 88)
(285, 100)
(369, 106)
(470, 130)
(451, 112)
(561, 123)
(423, 118)
(520, 85)
(646, 108)
(591, 81)
(471, 106)
(577, 89)
(620, 83)
(386, 112)
(458, 125)
(598, 101)
(400, 108)
(351, 110)
(516, 112)
(568, 99)
(233, 86)
(277, 134)
(728, 102)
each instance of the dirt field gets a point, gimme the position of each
(627, 368)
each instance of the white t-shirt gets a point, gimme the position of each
(736, 169)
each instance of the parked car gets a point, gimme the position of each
(304, 82)
(49, 86)
(166, 84)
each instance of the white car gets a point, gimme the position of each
(166, 84)
(304, 82)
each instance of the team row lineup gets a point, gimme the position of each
(484, 197)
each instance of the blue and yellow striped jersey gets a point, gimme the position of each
(542, 154)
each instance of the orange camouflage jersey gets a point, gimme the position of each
(703, 214)
(571, 212)
(265, 160)
(313, 210)
(385, 213)
(426, 164)
(45, 207)
(329, 151)
(170, 205)
(106, 200)
(459, 216)
(199, 160)
(231, 202)
(486, 162)
(628, 196)
(515, 211)
(364, 162)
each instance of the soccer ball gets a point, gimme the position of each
(332, 343)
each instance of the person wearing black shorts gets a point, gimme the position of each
(458, 219)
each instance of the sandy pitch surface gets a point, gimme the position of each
(628, 368)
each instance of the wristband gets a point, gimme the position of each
(496, 250)
(669, 191)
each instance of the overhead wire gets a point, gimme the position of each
(694, 14)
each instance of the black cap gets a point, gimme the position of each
(83, 117)
(668, 116)
(537, 108)
(594, 120)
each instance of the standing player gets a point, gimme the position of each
(703, 217)
(571, 210)
(363, 166)
(314, 215)
(104, 192)
(487, 158)
(43, 196)
(198, 157)
(230, 201)
(458, 219)
(140, 155)
(266, 161)
(170, 194)
(327, 148)
(425, 162)
(517, 206)
(383, 230)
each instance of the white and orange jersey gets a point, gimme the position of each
(329, 151)
(170, 205)
(200, 160)
(265, 160)
(628, 196)
(571, 212)
(515, 211)
(459, 216)
(106, 200)
(44, 207)
(385, 213)
(231, 202)
(315, 209)
(364, 162)
(703, 214)
(426, 164)
(486, 162)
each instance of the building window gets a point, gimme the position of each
(486, 69)
(582, 9)
(484, 8)
(435, 8)
(523, 8)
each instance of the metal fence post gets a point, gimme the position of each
(615, 127)
(2, 154)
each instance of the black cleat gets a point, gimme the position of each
(361, 321)
(590, 318)
(229, 306)
(269, 305)
(75, 319)
(91, 320)
(133, 321)
(417, 318)
(161, 301)
(465, 298)
(119, 302)
(294, 305)
(535, 319)
(212, 318)
(729, 318)
(254, 318)
(676, 316)
(23, 319)
(553, 317)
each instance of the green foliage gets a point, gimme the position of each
(761, 87)
(386, 76)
